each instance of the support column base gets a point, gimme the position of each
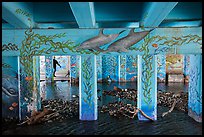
(196, 117)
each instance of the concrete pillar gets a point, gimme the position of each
(147, 86)
(195, 88)
(29, 85)
(186, 68)
(36, 82)
(122, 68)
(161, 68)
(49, 69)
(74, 67)
(131, 67)
(99, 68)
(87, 88)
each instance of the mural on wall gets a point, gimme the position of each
(161, 68)
(99, 68)
(174, 64)
(98, 41)
(49, 69)
(36, 44)
(110, 68)
(127, 41)
(131, 68)
(195, 88)
(9, 46)
(42, 65)
(122, 68)
(74, 67)
(10, 104)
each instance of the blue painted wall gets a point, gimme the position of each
(110, 67)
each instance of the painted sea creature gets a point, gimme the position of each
(96, 42)
(155, 45)
(28, 78)
(14, 104)
(124, 43)
(10, 86)
(73, 65)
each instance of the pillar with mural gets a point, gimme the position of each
(87, 88)
(147, 86)
(195, 87)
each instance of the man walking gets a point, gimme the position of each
(55, 63)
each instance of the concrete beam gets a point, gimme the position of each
(156, 12)
(17, 20)
(84, 14)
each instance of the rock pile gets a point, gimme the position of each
(54, 110)
(163, 98)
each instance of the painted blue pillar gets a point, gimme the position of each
(131, 68)
(161, 68)
(195, 88)
(87, 88)
(99, 68)
(29, 85)
(122, 68)
(74, 67)
(147, 86)
(49, 69)
(36, 82)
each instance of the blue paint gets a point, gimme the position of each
(161, 68)
(147, 102)
(195, 88)
(88, 88)
(10, 91)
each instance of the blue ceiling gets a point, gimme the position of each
(110, 14)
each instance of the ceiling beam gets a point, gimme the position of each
(156, 12)
(84, 14)
(17, 20)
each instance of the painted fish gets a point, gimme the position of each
(14, 104)
(28, 78)
(96, 42)
(124, 43)
(73, 65)
(155, 45)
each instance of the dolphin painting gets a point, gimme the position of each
(96, 42)
(124, 43)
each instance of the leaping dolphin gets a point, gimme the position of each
(124, 43)
(96, 42)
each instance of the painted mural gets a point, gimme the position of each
(195, 88)
(110, 68)
(161, 68)
(87, 88)
(10, 92)
(110, 41)
(131, 67)
(74, 68)
(99, 68)
(48, 69)
(122, 65)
